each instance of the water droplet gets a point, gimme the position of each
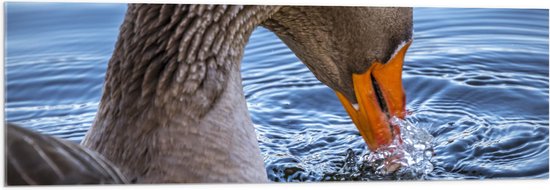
(407, 160)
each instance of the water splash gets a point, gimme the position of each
(408, 160)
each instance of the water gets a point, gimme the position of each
(476, 80)
(406, 158)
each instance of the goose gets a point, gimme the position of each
(173, 108)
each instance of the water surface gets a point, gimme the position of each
(476, 80)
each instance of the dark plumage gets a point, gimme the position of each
(35, 159)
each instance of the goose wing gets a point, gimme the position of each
(35, 159)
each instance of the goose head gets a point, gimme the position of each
(358, 52)
(173, 108)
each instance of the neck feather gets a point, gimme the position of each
(174, 68)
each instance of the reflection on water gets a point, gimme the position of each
(476, 80)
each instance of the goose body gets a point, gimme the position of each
(173, 108)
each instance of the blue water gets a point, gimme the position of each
(476, 80)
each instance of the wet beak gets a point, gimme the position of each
(380, 96)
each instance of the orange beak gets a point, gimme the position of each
(380, 96)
